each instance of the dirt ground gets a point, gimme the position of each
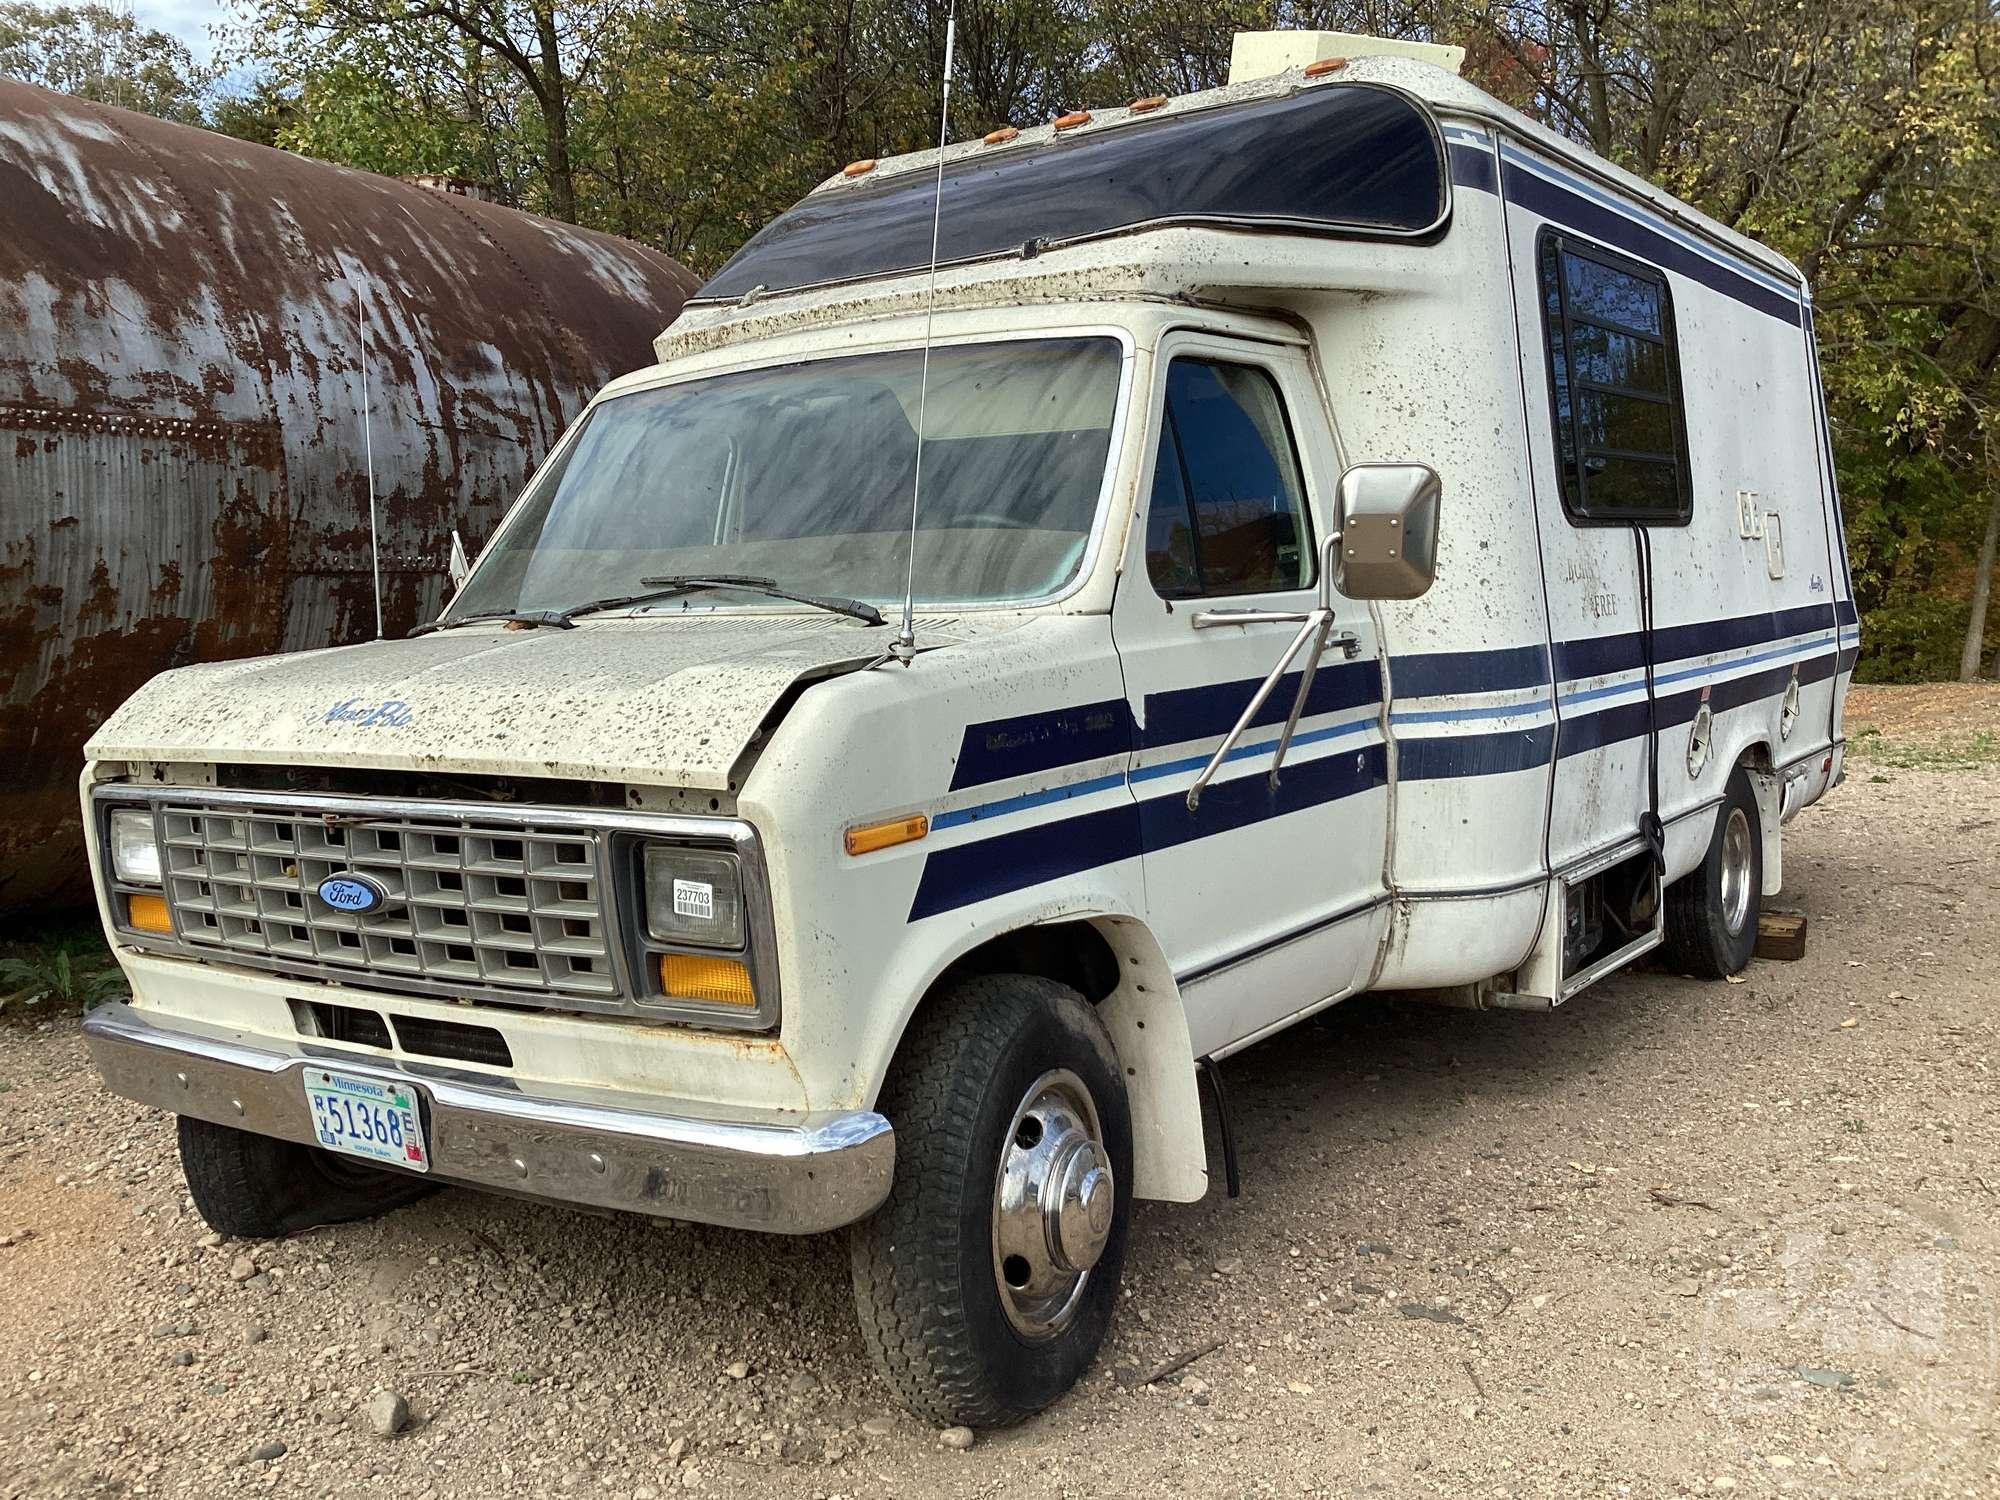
(1927, 711)
(1672, 1239)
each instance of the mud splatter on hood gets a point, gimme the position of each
(671, 701)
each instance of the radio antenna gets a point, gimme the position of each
(905, 648)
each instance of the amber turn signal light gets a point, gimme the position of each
(148, 914)
(1325, 66)
(719, 981)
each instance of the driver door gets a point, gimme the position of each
(1268, 895)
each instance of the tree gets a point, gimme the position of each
(95, 52)
(548, 49)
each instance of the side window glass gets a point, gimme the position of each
(1228, 509)
(1621, 436)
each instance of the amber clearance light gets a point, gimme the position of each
(868, 837)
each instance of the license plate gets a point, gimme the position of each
(368, 1118)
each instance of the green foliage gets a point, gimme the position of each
(97, 52)
(72, 972)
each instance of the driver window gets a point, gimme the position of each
(1227, 514)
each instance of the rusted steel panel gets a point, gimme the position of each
(182, 324)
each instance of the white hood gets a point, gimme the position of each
(672, 701)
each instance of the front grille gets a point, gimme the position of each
(509, 908)
(340, 1023)
(453, 1039)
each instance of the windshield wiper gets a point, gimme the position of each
(661, 588)
(769, 587)
(559, 618)
(565, 619)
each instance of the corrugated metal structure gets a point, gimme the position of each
(183, 319)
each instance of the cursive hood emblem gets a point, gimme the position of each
(390, 713)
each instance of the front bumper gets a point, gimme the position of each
(797, 1174)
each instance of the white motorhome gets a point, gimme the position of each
(1364, 543)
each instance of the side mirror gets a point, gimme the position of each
(1386, 547)
(460, 566)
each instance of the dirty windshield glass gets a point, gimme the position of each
(801, 474)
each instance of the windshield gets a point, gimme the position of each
(801, 474)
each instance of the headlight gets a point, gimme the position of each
(694, 896)
(135, 854)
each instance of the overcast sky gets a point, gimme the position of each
(187, 19)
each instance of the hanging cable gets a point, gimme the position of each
(1650, 827)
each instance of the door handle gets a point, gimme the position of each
(1210, 619)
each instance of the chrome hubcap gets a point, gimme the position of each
(1053, 1205)
(1737, 896)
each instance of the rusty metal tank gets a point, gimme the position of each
(184, 470)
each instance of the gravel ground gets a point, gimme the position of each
(1672, 1239)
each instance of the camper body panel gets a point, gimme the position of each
(1746, 633)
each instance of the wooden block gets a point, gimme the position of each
(1781, 935)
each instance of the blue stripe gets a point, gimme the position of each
(1600, 656)
(1448, 757)
(1026, 800)
(1243, 752)
(1499, 669)
(1225, 806)
(1000, 749)
(1573, 209)
(1027, 744)
(1472, 167)
(1200, 713)
(958, 817)
(1628, 721)
(1051, 851)
(1027, 857)
(1708, 248)
(1460, 715)
(1707, 669)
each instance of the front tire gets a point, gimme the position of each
(256, 1187)
(1712, 911)
(987, 1280)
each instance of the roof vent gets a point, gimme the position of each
(1265, 54)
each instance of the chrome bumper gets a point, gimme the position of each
(787, 1175)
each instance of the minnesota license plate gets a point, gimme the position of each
(368, 1118)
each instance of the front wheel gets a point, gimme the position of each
(256, 1187)
(986, 1282)
(1712, 911)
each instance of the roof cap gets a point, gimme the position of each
(1265, 54)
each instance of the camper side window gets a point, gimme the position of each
(1227, 514)
(1621, 436)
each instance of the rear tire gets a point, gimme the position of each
(258, 1188)
(1712, 911)
(979, 1303)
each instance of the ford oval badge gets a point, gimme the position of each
(352, 893)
